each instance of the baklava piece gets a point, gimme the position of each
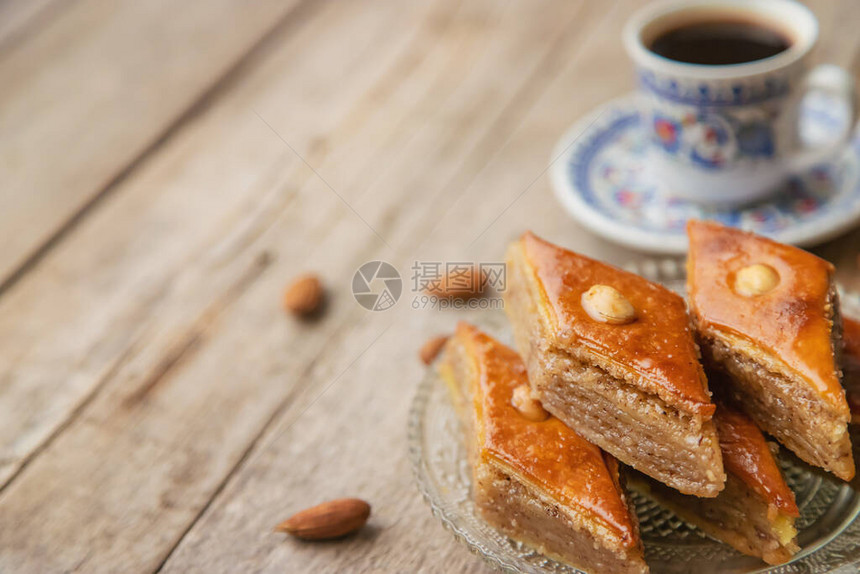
(851, 382)
(533, 478)
(851, 366)
(612, 355)
(755, 513)
(767, 314)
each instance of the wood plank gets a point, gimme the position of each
(838, 41)
(199, 387)
(840, 45)
(95, 87)
(87, 312)
(19, 18)
(514, 193)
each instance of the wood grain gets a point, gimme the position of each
(19, 18)
(92, 88)
(143, 285)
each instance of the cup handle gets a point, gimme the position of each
(839, 83)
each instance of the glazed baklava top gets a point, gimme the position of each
(656, 346)
(775, 296)
(746, 455)
(546, 454)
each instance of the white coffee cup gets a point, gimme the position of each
(729, 134)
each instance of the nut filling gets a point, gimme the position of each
(606, 304)
(528, 406)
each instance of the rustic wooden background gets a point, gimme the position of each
(167, 167)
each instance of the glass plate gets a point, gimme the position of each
(829, 535)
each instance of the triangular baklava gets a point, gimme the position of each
(767, 314)
(533, 478)
(755, 513)
(851, 366)
(613, 356)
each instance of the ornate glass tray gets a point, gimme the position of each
(829, 535)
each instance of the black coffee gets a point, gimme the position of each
(720, 42)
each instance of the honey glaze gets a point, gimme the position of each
(658, 345)
(746, 455)
(547, 453)
(790, 321)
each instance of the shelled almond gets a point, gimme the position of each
(328, 520)
(431, 348)
(304, 295)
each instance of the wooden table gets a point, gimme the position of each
(167, 167)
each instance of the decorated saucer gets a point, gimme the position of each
(601, 175)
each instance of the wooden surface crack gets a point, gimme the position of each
(252, 446)
(194, 338)
(80, 408)
(181, 351)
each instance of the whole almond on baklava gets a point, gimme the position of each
(612, 355)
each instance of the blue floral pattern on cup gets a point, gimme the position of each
(606, 175)
(713, 125)
(714, 95)
(714, 145)
(755, 139)
(610, 171)
(711, 139)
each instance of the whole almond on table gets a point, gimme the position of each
(331, 519)
(465, 284)
(430, 349)
(304, 295)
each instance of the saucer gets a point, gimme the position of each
(602, 177)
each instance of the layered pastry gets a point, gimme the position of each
(767, 314)
(612, 355)
(533, 478)
(755, 513)
(851, 381)
(851, 365)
